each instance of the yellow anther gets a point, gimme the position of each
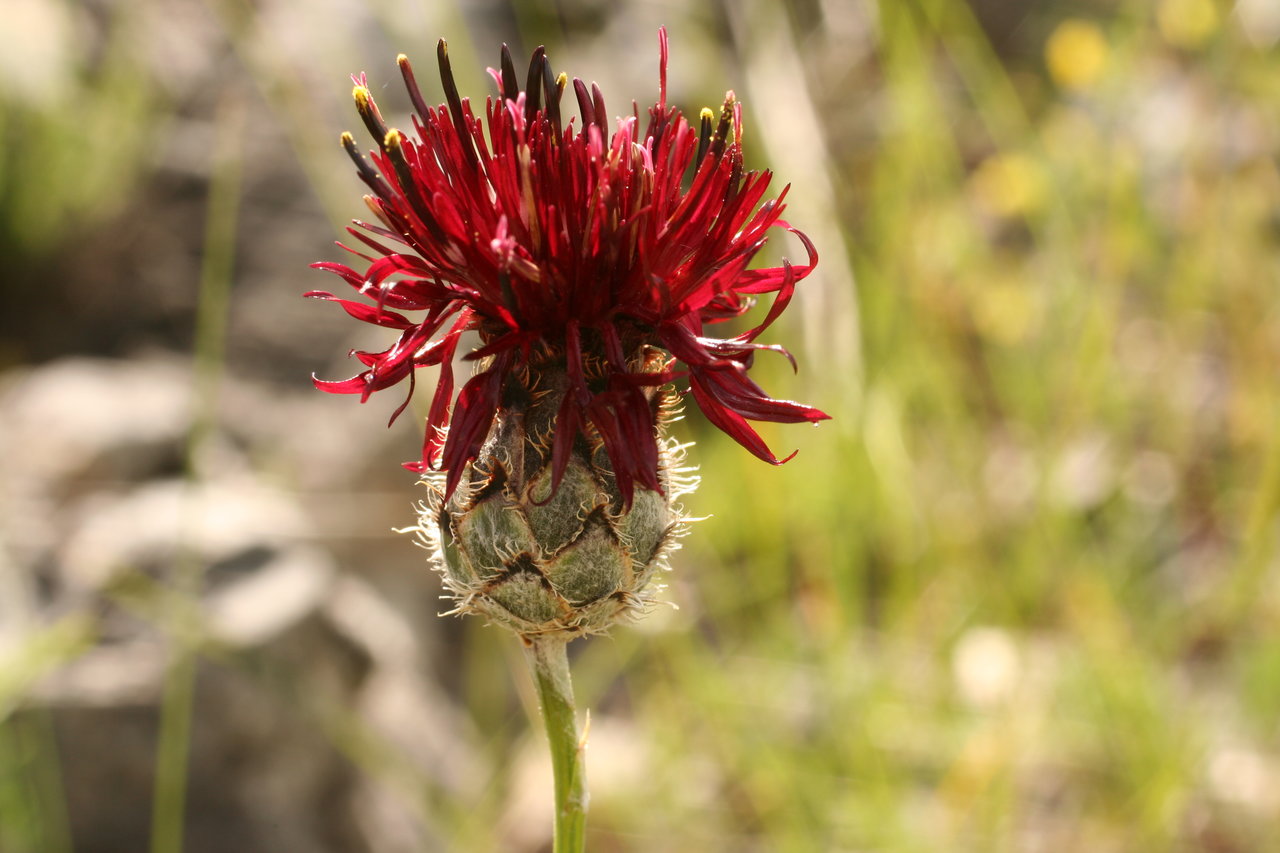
(402, 60)
(562, 80)
(394, 139)
(361, 94)
(347, 139)
(706, 114)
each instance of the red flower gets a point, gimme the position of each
(546, 236)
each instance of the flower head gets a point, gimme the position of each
(559, 241)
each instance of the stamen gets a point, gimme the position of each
(552, 89)
(410, 83)
(704, 134)
(394, 146)
(455, 102)
(597, 98)
(375, 207)
(368, 174)
(584, 103)
(662, 69)
(722, 129)
(562, 82)
(533, 84)
(510, 86)
(369, 113)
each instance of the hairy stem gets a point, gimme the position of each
(549, 662)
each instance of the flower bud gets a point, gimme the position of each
(546, 558)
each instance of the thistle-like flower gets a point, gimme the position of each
(588, 263)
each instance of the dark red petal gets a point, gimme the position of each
(731, 387)
(372, 243)
(734, 425)
(352, 277)
(768, 280)
(502, 343)
(785, 289)
(366, 313)
(568, 424)
(438, 414)
(473, 414)
(354, 385)
(413, 383)
(624, 421)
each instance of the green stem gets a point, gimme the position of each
(549, 662)
(173, 752)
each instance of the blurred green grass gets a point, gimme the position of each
(1022, 593)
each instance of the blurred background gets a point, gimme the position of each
(1022, 594)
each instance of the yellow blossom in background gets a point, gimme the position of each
(1009, 185)
(1076, 54)
(1007, 311)
(1187, 23)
